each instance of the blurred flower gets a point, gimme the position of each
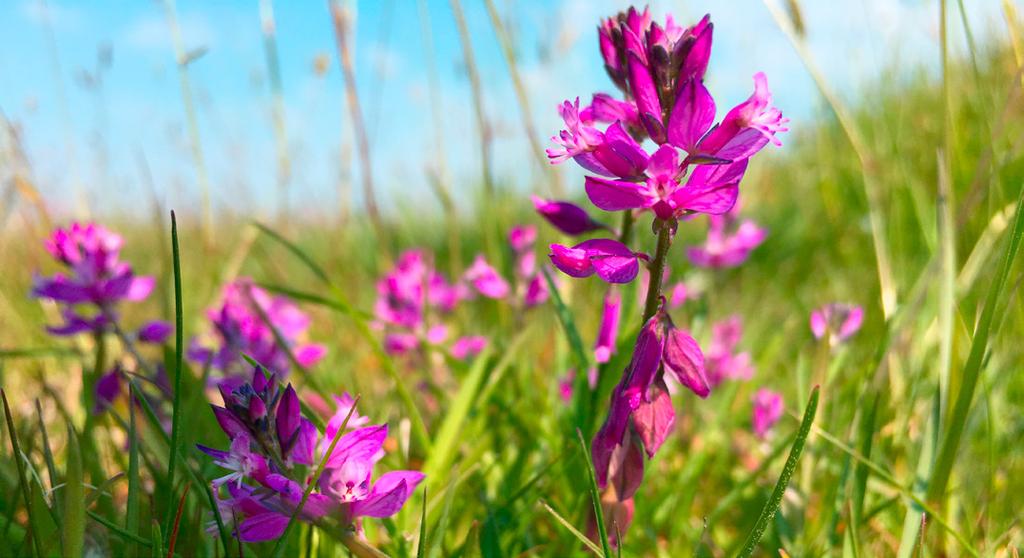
(468, 346)
(721, 358)
(531, 286)
(608, 332)
(108, 389)
(239, 328)
(486, 280)
(767, 411)
(837, 320)
(679, 293)
(96, 277)
(728, 243)
(156, 332)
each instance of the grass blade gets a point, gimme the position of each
(595, 496)
(177, 522)
(972, 368)
(421, 544)
(119, 531)
(73, 533)
(131, 522)
(179, 346)
(565, 523)
(773, 503)
(16, 453)
(51, 466)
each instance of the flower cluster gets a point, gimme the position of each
(95, 283)
(722, 361)
(694, 167)
(250, 321)
(274, 448)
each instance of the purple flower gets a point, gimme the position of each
(239, 328)
(613, 261)
(605, 108)
(728, 244)
(608, 332)
(837, 320)
(95, 276)
(536, 291)
(565, 216)
(155, 331)
(486, 280)
(108, 389)
(767, 411)
(522, 237)
(269, 437)
(721, 358)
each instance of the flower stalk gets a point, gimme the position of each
(657, 268)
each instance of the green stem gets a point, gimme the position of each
(626, 231)
(657, 269)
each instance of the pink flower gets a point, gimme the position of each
(721, 358)
(239, 328)
(768, 409)
(608, 332)
(566, 217)
(837, 320)
(97, 277)
(536, 291)
(156, 331)
(485, 279)
(727, 244)
(679, 293)
(522, 237)
(747, 128)
(613, 261)
(468, 346)
(709, 189)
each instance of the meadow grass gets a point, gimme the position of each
(913, 449)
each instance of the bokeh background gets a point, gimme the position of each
(93, 88)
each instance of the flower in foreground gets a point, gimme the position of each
(95, 277)
(641, 414)
(611, 260)
(565, 216)
(273, 449)
(837, 321)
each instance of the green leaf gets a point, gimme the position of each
(22, 478)
(73, 533)
(179, 347)
(771, 507)
(131, 521)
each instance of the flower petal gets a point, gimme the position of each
(616, 195)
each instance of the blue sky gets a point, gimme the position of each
(98, 134)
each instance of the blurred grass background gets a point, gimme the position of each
(944, 152)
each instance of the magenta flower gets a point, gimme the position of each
(608, 332)
(605, 108)
(728, 243)
(536, 291)
(468, 346)
(239, 328)
(709, 189)
(269, 437)
(679, 293)
(565, 216)
(522, 237)
(837, 320)
(768, 409)
(96, 277)
(747, 128)
(486, 280)
(721, 358)
(641, 400)
(613, 261)
(108, 388)
(611, 153)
